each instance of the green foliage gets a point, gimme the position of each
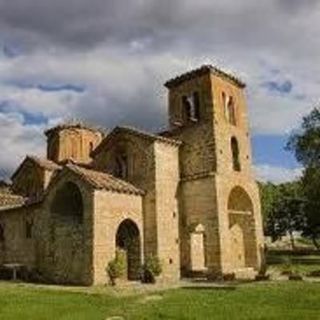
(283, 209)
(152, 268)
(116, 268)
(305, 144)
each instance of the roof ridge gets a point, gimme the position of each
(77, 124)
(123, 186)
(202, 70)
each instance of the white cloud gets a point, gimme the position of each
(123, 53)
(269, 173)
(17, 140)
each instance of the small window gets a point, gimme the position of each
(2, 237)
(235, 154)
(229, 108)
(121, 167)
(231, 111)
(91, 147)
(191, 106)
(29, 229)
(186, 107)
(225, 104)
(196, 106)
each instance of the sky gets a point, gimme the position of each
(105, 62)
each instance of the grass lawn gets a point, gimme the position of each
(280, 300)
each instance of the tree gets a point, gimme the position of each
(283, 209)
(305, 144)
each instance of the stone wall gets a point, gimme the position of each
(199, 206)
(30, 180)
(207, 171)
(167, 210)
(110, 210)
(227, 178)
(73, 144)
(197, 153)
(66, 255)
(16, 245)
(153, 166)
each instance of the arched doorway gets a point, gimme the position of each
(237, 246)
(243, 245)
(66, 231)
(128, 241)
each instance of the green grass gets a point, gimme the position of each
(281, 300)
(303, 269)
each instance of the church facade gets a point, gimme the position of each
(186, 195)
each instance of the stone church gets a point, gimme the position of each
(186, 195)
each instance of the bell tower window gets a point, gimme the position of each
(231, 111)
(229, 108)
(235, 154)
(191, 106)
(121, 167)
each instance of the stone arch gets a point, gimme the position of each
(239, 200)
(68, 202)
(128, 241)
(243, 243)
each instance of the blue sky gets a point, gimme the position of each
(106, 62)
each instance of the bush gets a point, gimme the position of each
(116, 267)
(151, 269)
(315, 274)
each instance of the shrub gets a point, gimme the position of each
(151, 269)
(315, 273)
(116, 267)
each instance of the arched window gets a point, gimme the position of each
(121, 167)
(229, 108)
(235, 154)
(225, 105)
(191, 106)
(195, 112)
(91, 147)
(231, 111)
(186, 107)
(29, 229)
(68, 203)
(2, 237)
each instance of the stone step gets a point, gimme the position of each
(245, 273)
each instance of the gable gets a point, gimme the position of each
(32, 176)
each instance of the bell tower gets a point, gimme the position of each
(208, 113)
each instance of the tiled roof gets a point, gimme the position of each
(10, 201)
(45, 163)
(75, 125)
(201, 71)
(135, 132)
(101, 180)
(42, 162)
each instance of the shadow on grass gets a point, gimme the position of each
(212, 288)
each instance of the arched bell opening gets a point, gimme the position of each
(242, 232)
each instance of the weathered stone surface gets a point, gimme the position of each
(187, 195)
